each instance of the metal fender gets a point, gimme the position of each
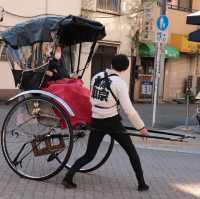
(46, 94)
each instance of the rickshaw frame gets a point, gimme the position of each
(77, 30)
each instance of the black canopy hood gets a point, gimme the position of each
(194, 19)
(70, 29)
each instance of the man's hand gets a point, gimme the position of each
(144, 131)
(74, 76)
(49, 73)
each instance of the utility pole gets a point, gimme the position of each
(162, 24)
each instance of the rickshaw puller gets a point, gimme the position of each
(108, 90)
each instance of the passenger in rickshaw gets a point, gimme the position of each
(69, 87)
(57, 69)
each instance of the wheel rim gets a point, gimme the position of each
(79, 148)
(20, 130)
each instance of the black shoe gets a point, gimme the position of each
(143, 187)
(68, 185)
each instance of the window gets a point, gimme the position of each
(147, 66)
(183, 5)
(109, 5)
(103, 57)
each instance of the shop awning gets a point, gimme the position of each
(149, 49)
(194, 18)
(184, 45)
(194, 36)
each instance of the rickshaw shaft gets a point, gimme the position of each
(156, 137)
(162, 132)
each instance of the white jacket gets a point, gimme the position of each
(103, 103)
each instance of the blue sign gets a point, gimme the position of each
(162, 22)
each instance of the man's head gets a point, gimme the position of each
(120, 62)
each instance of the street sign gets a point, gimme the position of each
(161, 37)
(147, 88)
(162, 22)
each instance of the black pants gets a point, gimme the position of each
(116, 130)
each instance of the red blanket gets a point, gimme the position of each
(75, 95)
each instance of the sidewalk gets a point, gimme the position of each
(171, 170)
(171, 175)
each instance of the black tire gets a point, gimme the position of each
(101, 157)
(26, 130)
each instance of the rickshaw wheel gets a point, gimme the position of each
(79, 148)
(32, 138)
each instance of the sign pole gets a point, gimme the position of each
(163, 7)
(156, 82)
(162, 25)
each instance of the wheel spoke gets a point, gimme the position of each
(80, 140)
(19, 153)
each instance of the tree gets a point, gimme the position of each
(135, 12)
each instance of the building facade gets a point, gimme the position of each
(130, 29)
(117, 17)
(181, 56)
(17, 11)
(187, 68)
(179, 64)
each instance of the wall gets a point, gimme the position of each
(37, 7)
(89, 5)
(196, 4)
(178, 24)
(176, 72)
(6, 78)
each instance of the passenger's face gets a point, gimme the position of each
(58, 53)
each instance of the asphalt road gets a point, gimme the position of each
(168, 115)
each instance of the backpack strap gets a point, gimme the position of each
(106, 77)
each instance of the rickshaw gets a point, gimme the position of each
(34, 141)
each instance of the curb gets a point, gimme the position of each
(158, 148)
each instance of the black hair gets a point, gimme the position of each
(120, 62)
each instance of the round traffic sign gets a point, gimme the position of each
(162, 22)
